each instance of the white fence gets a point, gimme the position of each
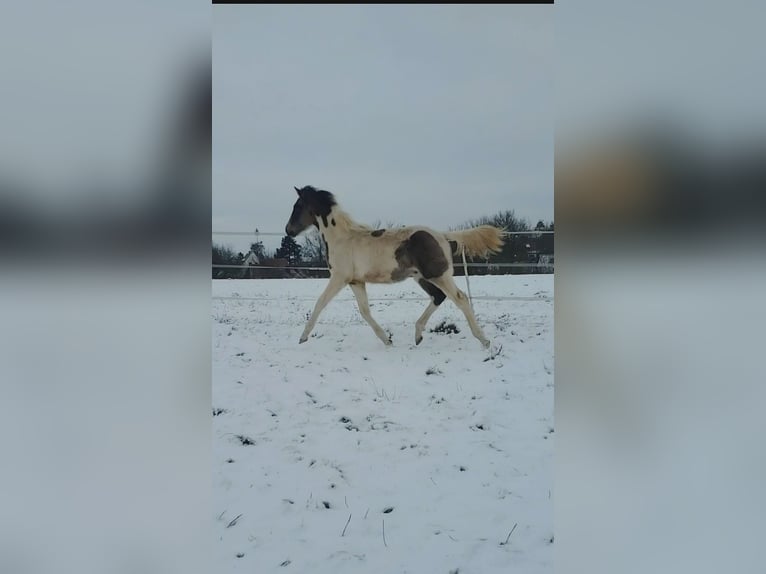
(547, 264)
(282, 233)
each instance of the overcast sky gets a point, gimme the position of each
(414, 114)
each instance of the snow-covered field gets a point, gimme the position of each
(343, 456)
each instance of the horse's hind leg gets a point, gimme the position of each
(437, 297)
(447, 284)
(360, 292)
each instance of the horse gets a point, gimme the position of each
(358, 254)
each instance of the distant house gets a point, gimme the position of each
(251, 261)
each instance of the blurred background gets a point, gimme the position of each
(104, 231)
(105, 122)
(106, 129)
(660, 181)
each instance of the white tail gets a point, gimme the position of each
(480, 241)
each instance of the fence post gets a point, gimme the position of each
(467, 284)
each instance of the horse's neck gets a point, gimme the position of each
(338, 226)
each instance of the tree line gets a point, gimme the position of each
(309, 252)
(518, 249)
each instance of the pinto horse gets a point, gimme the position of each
(358, 254)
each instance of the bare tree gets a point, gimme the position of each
(225, 255)
(378, 224)
(313, 249)
(505, 220)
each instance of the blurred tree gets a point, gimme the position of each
(378, 224)
(545, 241)
(225, 255)
(259, 250)
(312, 250)
(289, 250)
(515, 247)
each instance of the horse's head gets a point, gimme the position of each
(311, 203)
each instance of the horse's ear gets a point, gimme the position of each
(298, 191)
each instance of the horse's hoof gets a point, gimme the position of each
(303, 340)
(418, 340)
(494, 351)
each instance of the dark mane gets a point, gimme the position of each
(319, 201)
(318, 197)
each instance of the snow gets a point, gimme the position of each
(458, 446)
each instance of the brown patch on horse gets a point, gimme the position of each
(436, 294)
(333, 222)
(377, 232)
(422, 252)
(401, 273)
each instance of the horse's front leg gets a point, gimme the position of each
(332, 289)
(360, 292)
